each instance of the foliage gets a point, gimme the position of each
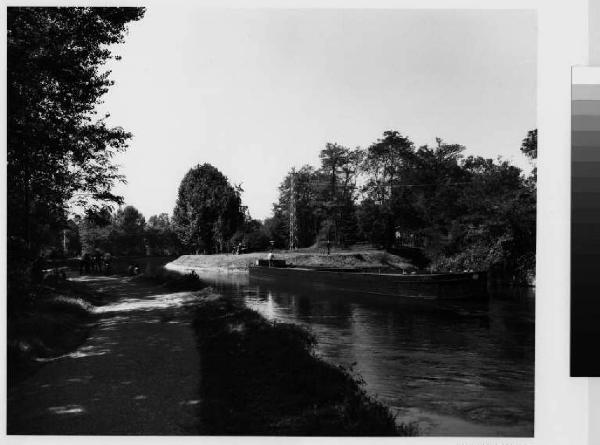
(125, 233)
(276, 230)
(252, 236)
(341, 165)
(529, 149)
(160, 235)
(307, 194)
(58, 151)
(208, 210)
(465, 212)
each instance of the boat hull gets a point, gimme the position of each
(472, 285)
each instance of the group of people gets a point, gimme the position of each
(96, 262)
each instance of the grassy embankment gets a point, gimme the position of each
(54, 318)
(262, 378)
(49, 320)
(359, 258)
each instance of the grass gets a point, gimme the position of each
(262, 378)
(308, 257)
(173, 281)
(50, 320)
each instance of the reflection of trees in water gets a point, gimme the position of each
(458, 358)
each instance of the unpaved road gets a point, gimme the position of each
(138, 372)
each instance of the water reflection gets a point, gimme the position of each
(456, 368)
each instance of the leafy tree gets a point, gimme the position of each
(252, 236)
(276, 230)
(160, 235)
(127, 232)
(386, 164)
(529, 145)
(208, 210)
(529, 149)
(467, 213)
(341, 166)
(58, 150)
(308, 196)
(95, 232)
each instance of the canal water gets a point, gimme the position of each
(455, 368)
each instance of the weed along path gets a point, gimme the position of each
(137, 373)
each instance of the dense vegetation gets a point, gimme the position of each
(126, 233)
(208, 210)
(465, 212)
(58, 150)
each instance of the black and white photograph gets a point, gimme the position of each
(271, 222)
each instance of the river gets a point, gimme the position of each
(455, 368)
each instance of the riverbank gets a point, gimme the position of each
(137, 372)
(157, 359)
(262, 378)
(363, 258)
(49, 321)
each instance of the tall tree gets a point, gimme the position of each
(386, 164)
(58, 149)
(160, 235)
(307, 194)
(208, 210)
(340, 165)
(127, 232)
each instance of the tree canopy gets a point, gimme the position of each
(465, 212)
(208, 210)
(59, 151)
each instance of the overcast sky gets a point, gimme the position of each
(255, 92)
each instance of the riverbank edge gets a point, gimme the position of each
(367, 258)
(263, 378)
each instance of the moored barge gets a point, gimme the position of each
(371, 281)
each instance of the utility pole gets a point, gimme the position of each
(293, 226)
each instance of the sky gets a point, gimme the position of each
(257, 92)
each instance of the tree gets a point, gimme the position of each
(341, 166)
(529, 145)
(529, 149)
(58, 152)
(208, 210)
(308, 198)
(160, 235)
(252, 236)
(386, 164)
(127, 232)
(95, 230)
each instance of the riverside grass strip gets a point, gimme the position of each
(261, 378)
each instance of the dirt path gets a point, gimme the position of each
(136, 374)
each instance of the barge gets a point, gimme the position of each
(462, 285)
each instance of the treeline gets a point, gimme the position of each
(462, 212)
(125, 232)
(208, 218)
(465, 212)
(59, 151)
